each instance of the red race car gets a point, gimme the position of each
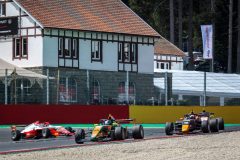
(38, 130)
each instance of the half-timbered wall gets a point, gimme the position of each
(168, 62)
(43, 47)
(28, 29)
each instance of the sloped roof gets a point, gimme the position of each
(89, 15)
(164, 47)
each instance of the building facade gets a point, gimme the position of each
(167, 56)
(97, 51)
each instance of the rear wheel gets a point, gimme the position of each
(220, 123)
(138, 132)
(213, 123)
(16, 135)
(79, 136)
(205, 127)
(169, 128)
(46, 133)
(119, 133)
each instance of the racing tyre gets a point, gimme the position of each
(46, 133)
(205, 127)
(220, 123)
(69, 129)
(16, 135)
(79, 136)
(119, 133)
(213, 123)
(112, 135)
(169, 128)
(138, 132)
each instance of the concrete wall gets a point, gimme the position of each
(162, 114)
(25, 114)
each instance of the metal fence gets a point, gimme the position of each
(74, 86)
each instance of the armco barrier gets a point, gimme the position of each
(56, 114)
(162, 114)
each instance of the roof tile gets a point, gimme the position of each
(93, 15)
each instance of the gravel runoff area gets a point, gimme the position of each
(224, 146)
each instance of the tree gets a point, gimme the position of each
(213, 32)
(230, 36)
(171, 21)
(190, 35)
(238, 46)
(180, 24)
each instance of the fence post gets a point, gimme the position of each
(6, 88)
(88, 88)
(47, 86)
(166, 88)
(127, 87)
(58, 79)
(205, 88)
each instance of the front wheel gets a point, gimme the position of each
(213, 123)
(138, 132)
(46, 133)
(169, 128)
(79, 136)
(119, 133)
(16, 135)
(205, 127)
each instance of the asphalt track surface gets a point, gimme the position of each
(9, 146)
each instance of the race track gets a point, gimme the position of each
(8, 146)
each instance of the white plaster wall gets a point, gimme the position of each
(50, 51)
(145, 58)
(177, 65)
(110, 56)
(35, 48)
(12, 9)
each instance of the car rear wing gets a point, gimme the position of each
(125, 120)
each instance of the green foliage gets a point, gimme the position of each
(156, 14)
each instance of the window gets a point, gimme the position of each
(67, 47)
(162, 65)
(24, 47)
(133, 53)
(74, 48)
(96, 51)
(127, 52)
(157, 65)
(60, 47)
(120, 52)
(20, 47)
(67, 90)
(2, 9)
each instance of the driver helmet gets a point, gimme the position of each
(107, 122)
(46, 123)
(192, 116)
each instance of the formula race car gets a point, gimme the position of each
(203, 121)
(110, 129)
(38, 130)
